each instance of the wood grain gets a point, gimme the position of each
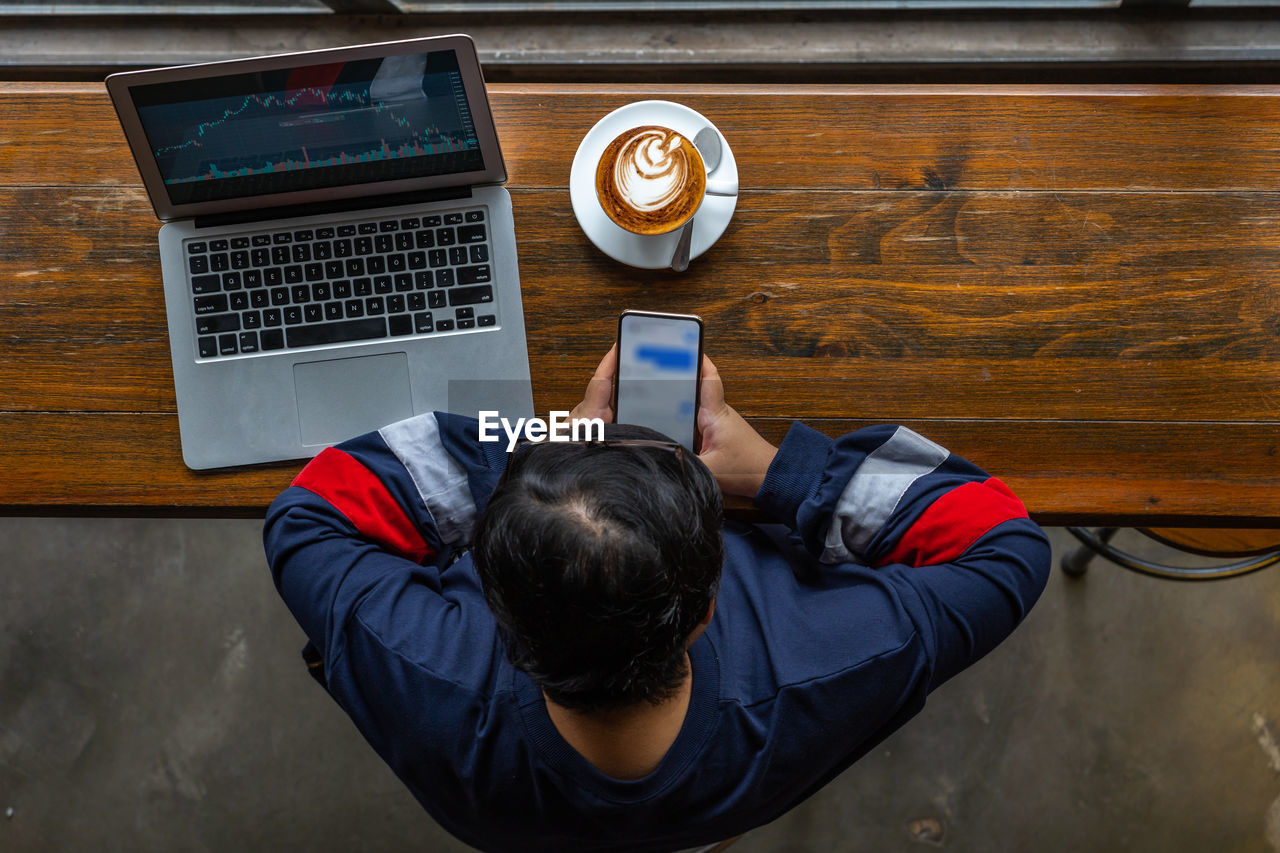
(1128, 474)
(1159, 314)
(865, 138)
(1078, 289)
(870, 137)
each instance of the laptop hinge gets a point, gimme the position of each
(239, 217)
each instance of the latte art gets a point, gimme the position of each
(650, 180)
(651, 169)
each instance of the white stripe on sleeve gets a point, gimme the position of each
(875, 490)
(441, 481)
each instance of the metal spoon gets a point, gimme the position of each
(708, 144)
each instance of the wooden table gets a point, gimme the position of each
(1076, 288)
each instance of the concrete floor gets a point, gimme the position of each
(152, 698)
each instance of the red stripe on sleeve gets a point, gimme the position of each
(954, 522)
(358, 494)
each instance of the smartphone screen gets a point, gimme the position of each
(659, 364)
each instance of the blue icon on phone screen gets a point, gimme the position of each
(665, 358)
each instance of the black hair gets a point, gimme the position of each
(598, 561)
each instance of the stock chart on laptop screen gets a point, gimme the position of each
(309, 127)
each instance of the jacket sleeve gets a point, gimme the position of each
(397, 501)
(956, 541)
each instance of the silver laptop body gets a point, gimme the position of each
(338, 252)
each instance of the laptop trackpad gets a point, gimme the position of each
(344, 397)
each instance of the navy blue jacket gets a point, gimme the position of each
(899, 564)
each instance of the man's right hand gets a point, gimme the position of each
(737, 455)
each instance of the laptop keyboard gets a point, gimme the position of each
(355, 281)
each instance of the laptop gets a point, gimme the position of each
(338, 254)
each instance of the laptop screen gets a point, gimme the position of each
(310, 127)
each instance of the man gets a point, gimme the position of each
(586, 677)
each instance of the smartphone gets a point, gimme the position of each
(659, 367)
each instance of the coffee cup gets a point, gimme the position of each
(651, 180)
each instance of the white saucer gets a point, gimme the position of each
(648, 252)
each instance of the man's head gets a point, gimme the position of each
(598, 562)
